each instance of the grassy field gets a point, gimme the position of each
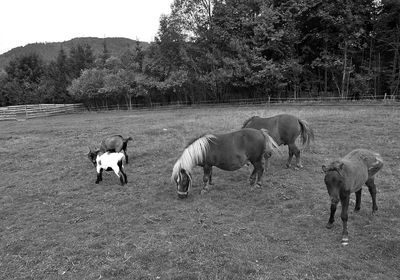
(55, 223)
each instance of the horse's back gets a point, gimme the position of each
(283, 128)
(242, 139)
(230, 151)
(372, 161)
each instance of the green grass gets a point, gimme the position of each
(55, 223)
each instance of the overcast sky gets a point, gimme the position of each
(30, 21)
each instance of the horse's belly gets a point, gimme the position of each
(230, 162)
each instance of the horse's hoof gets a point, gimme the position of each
(287, 165)
(345, 240)
(329, 225)
(96, 182)
(357, 209)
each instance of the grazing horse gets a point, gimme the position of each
(284, 129)
(348, 175)
(115, 143)
(108, 162)
(226, 151)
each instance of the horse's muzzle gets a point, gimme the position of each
(182, 194)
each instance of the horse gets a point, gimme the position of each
(115, 143)
(285, 129)
(228, 152)
(348, 175)
(109, 162)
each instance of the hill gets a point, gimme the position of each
(49, 51)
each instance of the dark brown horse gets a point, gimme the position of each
(348, 175)
(115, 143)
(226, 151)
(284, 129)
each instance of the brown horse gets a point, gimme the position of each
(226, 151)
(115, 143)
(348, 175)
(284, 129)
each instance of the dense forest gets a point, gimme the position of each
(219, 50)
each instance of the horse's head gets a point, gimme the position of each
(334, 180)
(183, 181)
(92, 155)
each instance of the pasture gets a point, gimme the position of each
(56, 223)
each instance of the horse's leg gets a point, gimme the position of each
(334, 204)
(99, 176)
(344, 200)
(210, 177)
(372, 190)
(358, 201)
(206, 177)
(289, 160)
(253, 176)
(296, 152)
(256, 175)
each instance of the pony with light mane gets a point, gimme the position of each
(228, 152)
(347, 175)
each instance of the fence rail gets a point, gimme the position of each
(23, 112)
(324, 101)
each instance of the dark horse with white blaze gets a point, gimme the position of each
(228, 152)
(284, 129)
(348, 175)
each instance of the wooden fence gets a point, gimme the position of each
(23, 112)
(318, 101)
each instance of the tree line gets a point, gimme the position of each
(218, 50)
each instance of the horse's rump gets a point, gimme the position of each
(283, 128)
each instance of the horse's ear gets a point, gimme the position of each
(324, 168)
(341, 166)
(90, 150)
(183, 171)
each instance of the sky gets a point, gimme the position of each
(37, 21)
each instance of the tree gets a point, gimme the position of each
(80, 58)
(56, 80)
(86, 87)
(24, 75)
(387, 50)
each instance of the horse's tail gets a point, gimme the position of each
(270, 144)
(307, 133)
(248, 121)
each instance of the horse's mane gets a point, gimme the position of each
(246, 122)
(191, 141)
(193, 154)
